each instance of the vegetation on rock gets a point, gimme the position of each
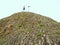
(27, 28)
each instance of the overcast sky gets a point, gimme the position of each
(49, 8)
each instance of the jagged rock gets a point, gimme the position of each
(26, 28)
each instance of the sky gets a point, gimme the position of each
(49, 8)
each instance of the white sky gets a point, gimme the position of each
(49, 8)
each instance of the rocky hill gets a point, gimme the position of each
(27, 28)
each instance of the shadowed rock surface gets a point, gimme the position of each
(26, 28)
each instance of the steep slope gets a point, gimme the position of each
(26, 28)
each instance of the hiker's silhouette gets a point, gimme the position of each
(24, 8)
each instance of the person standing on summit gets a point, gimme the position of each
(24, 8)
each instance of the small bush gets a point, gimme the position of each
(38, 34)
